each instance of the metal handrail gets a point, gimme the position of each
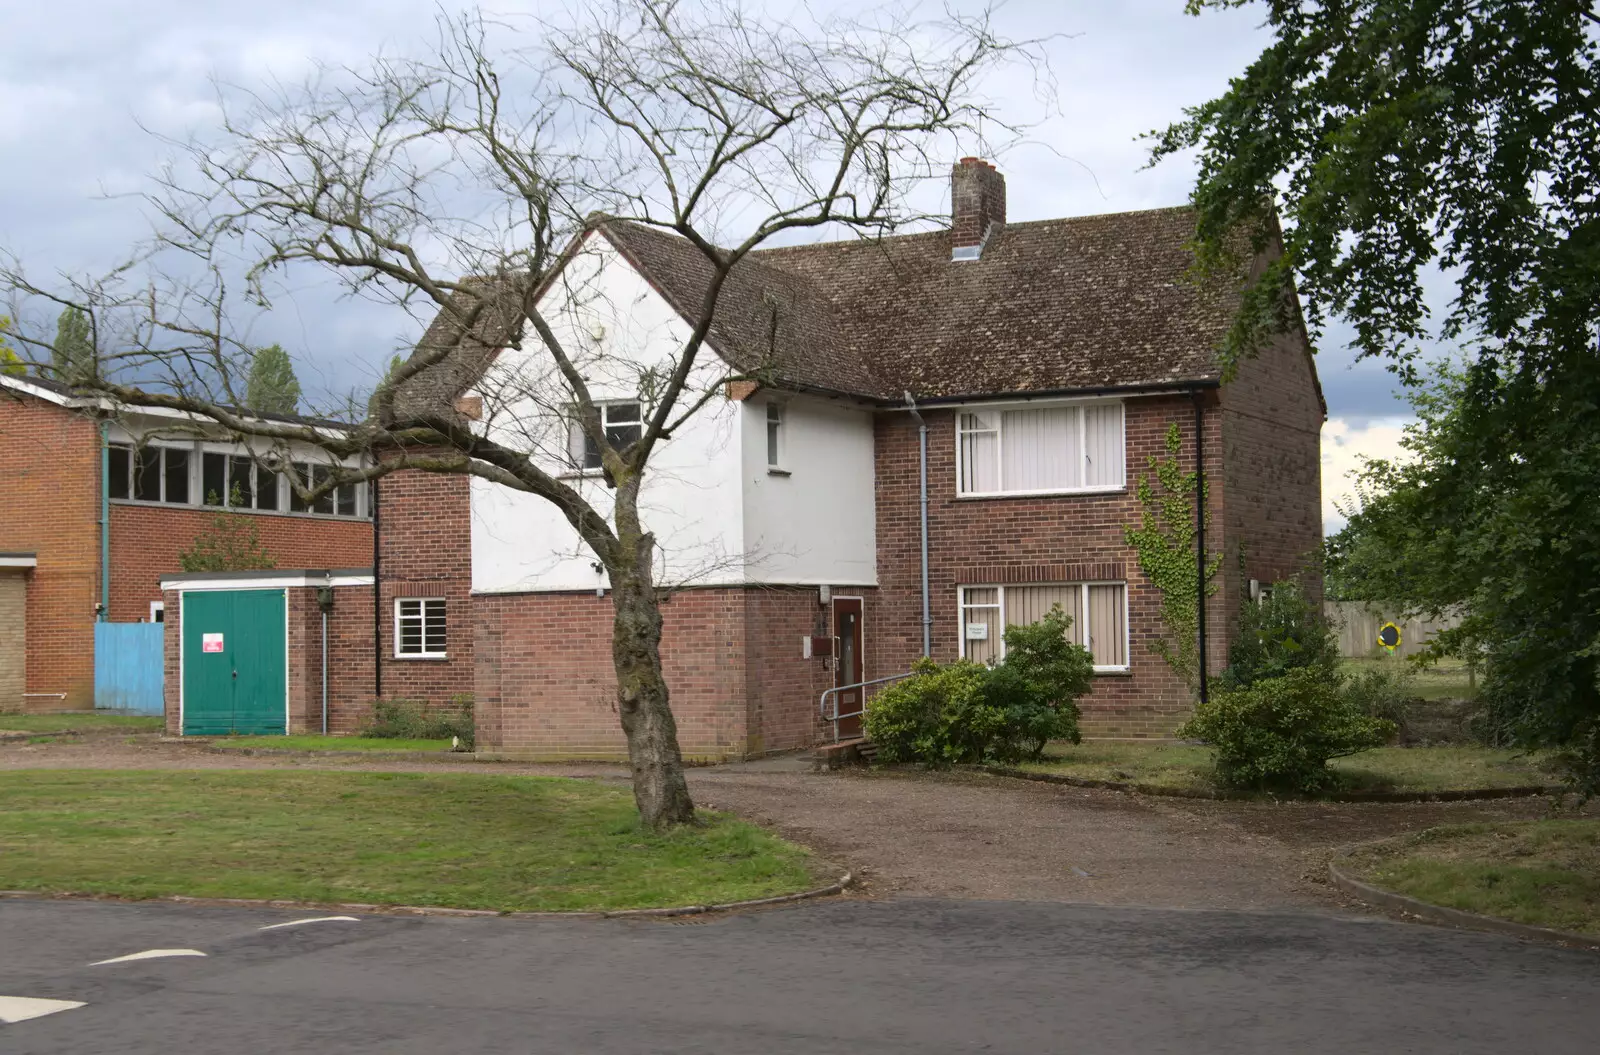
(822, 703)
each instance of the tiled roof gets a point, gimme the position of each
(499, 324)
(1056, 305)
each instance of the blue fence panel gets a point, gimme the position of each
(128, 667)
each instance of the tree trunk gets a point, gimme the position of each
(659, 788)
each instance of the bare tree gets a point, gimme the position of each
(463, 186)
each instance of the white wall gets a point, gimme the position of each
(818, 524)
(615, 324)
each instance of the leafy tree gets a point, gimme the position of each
(1395, 137)
(10, 362)
(72, 356)
(231, 542)
(272, 388)
(1169, 555)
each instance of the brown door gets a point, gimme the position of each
(848, 668)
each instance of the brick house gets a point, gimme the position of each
(63, 458)
(1046, 360)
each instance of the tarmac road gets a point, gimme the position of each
(898, 975)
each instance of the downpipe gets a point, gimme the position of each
(1200, 535)
(922, 482)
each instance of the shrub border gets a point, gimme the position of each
(1463, 795)
(839, 886)
(1373, 895)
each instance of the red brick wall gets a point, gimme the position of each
(425, 547)
(1060, 538)
(147, 539)
(1272, 443)
(49, 479)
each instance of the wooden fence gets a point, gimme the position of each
(1358, 625)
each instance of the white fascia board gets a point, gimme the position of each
(285, 581)
(28, 388)
(17, 561)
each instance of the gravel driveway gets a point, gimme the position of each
(960, 835)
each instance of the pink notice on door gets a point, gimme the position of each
(210, 642)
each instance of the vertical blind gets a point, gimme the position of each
(1041, 449)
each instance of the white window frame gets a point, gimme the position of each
(578, 441)
(775, 435)
(158, 607)
(999, 410)
(131, 449)
(422, 614)
(1079, 617)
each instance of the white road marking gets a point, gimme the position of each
(313, 919)
(22, 1008)
(149, 954)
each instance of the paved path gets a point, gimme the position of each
(905, 975)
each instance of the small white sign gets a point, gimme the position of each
(210, 642)
(977, 631)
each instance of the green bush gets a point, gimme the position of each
(1279, 733)
(1037, 687)
(1281, 633)
(965, 712)
(1380, 693)
(417, 720)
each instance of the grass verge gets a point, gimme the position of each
(80, 723)
(1187, 767)
(459, 840)
(331, 743)
(1542, 873)
(1448, 679)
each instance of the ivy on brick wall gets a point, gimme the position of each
(1165, 541)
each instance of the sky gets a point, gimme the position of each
(88, 88)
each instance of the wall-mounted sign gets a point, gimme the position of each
(977, 631)
(210, 642)
(1389, 636)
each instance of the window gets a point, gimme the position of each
(1099, 607)
(341, 501)
(148, 473)
(158, 611)
(623, 425)
(774, 436)
(419, 627)
(1040, 449)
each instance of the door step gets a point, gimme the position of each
(829, 757)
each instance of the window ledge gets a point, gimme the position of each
(1113, 672)
(424, 656)
(987, 495)
(773, 470)
(192, 508)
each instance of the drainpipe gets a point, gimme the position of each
(377, 614)
(325, 602)
(1200, 532)
(922, 440)
(105, 521)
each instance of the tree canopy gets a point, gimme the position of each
(1404, 140)
(272, 388)
(72, 356)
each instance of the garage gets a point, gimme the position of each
(234, 658)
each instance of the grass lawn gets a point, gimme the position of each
(331, 743)
(80, 723)
(1184, 766)
(1544, 873)
(1447, 679)
(462, 840)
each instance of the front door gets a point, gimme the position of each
(234, 666)
(848, 668)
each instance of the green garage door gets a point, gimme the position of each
(234, 663)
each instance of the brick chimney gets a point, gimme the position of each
(977, 206)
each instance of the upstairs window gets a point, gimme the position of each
(623, 424)
(341, 501)
(1040, 449)
(148, 473)
(419, 628)
(774, 436)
